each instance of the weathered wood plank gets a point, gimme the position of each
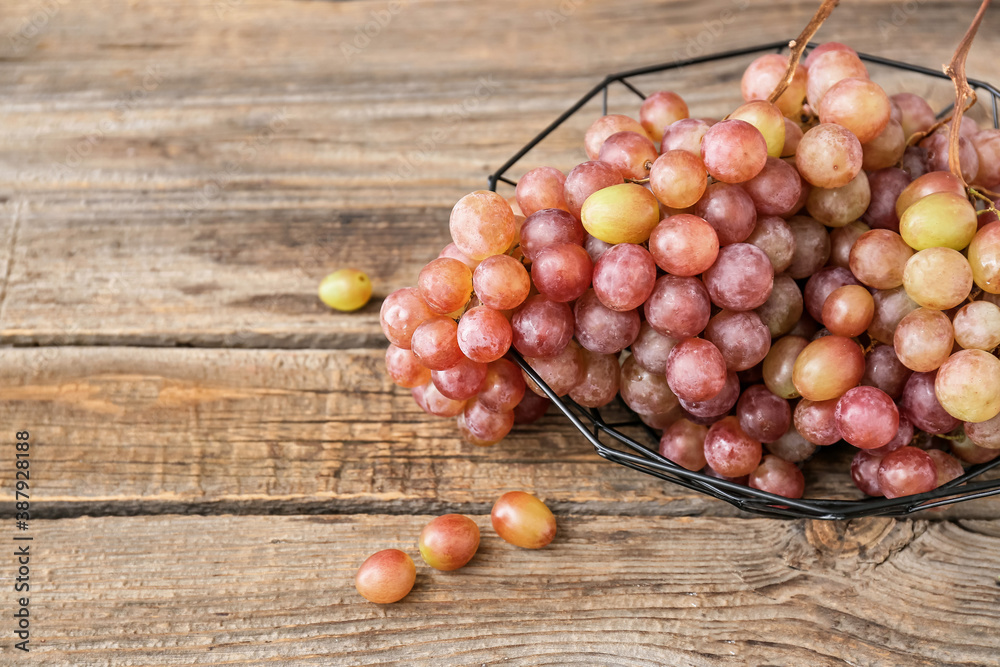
(609, 590)
(188, 172)
(136, 430)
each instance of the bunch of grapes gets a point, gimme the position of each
(798, 274)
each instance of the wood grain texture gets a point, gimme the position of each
(609, 590)
(147, 430)
(187, 172)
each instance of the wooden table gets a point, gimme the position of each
(214, 452)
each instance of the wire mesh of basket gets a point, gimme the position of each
(640, 452)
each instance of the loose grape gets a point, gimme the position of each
(402, 312)
(729, 450)
(539, 189)
(484, 335)
(684, 444)
(659, 110)
(940, 219)
(968, 385)
(604, 127)
(625, 213)
(585, 179)
(906, 472)
(345, 290)
(828, 367)
(829, 156)
(523, 520)
(483, 427)
(777, 476)
(938, 278)
(734, 151)
(386, 576)
(866, 417)
(482, 224)
(977, 326)
(448, 542)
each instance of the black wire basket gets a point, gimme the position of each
(613, 444)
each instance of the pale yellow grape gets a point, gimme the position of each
(345, 289)
(977, 326)
(768, 119)
(938, 278)
(625, 213)
(942, 219)
(968, 385)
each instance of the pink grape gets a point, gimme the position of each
(762, 76)
(915, 114)
(659, 110)
(684, 245)
(402, 312)
(858, 104)
(937, 155)
(651, 349)
(405, 369)
(884, 371)
(821, 285)
(741, 337)
(729, 450)
(451, 251)
(645, 392)
(776, 189)
(904, 436)
(891, 306)
(595, 247)
(435, 343)
(906, 472)
(817, 421)
(531, 408)
(503, 387)
(602, 330)
(542, 327)
(985, 434)
(484, 335)
(684, 135)
(774, 237)
(867, 418)
(946, 466)
(987, 146)
(445, 284)
(768, 120)
(709, 411)
(777, 476)
(501, 282)
(546, 227)
(624, 276)
(977, 326)
(792, 447)
(921, 406)
(793, 135)
(679, 307)
(539, 189)
(684, 444)
(483, 427)
(938, 278)
(928, 184)
(562, 271)
(601, 380)
(842, 240)
(462, 381)
(848, 311)
(587, 178)
(779, 365)
(696, 370)
(741, 278)
(970, 452)
(763, 416)
(812, 247)
(604, 127)
(879, 258)
(886, 185)
(828, 367)
(386, 576)
(984, 258)
(482, 224)
(823, 48)
(885, 150)
(429, 399)
(826, 69)
(864, 472)
(835, 207)
(561, 373)
(829, 156)
(631, 153)
(730, 211)
(734, 151)
(924, 339)
(678, 179)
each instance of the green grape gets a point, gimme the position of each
(346, 289)
(625, 213)
(942, 219)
